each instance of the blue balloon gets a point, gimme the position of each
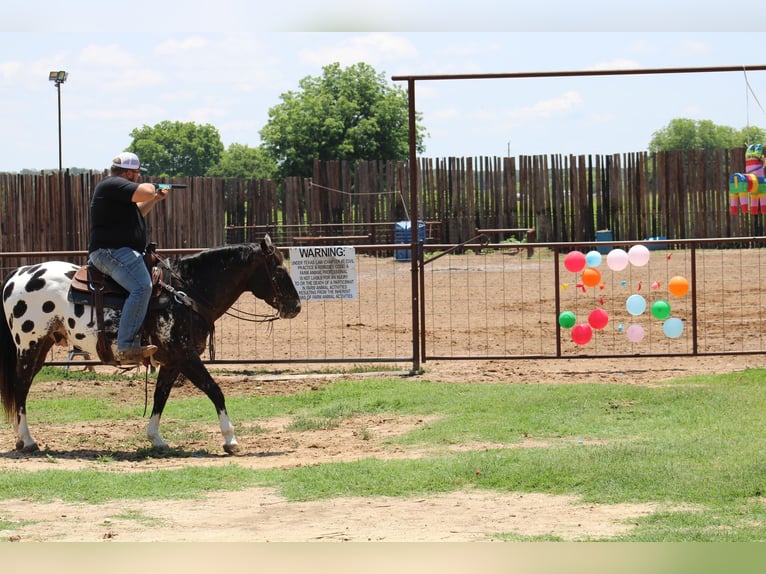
(593, 258)
(636, 304)
(673, 327)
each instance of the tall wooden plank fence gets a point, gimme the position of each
(678, 195)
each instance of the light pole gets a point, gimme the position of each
(59, 78)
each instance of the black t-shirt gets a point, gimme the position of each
(115, 221)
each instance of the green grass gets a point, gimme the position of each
(695, 445)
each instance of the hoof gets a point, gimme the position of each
(26, 449)
(231, 448)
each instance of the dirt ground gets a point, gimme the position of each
(259, 514)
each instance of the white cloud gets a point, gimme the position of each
(547, 108)
(206, 115)
(9, 69)
(693, 48)
(617, 64)
(109, 56)
(444, 114)
(136, 79)
(369, 48)
(172, 47)
(126, 112)
(642, 47)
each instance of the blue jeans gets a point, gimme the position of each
(127, 267)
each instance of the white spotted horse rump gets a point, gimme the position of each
(39, 313)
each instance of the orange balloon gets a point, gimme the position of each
(678, 286)
(591, 277)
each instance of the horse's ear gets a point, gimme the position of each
(266, 245)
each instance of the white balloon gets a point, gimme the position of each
(617, 259)
(638, 255)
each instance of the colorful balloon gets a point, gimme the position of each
(673, 327)
(582, 334)
(574, 261)
(678, 286)
(660, 309)
(617, 259)
(635, 304)
(593, 258)
(591, 277)
(635, 333)
(638, 255)
(598, 319)
(567, 319)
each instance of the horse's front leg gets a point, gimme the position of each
(196, 372)
(165, 379)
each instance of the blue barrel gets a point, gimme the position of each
(402, 234)
(604, 235)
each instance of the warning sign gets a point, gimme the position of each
(324, 272)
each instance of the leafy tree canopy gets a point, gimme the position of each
(245, 162)
(346, 114)
(684, 133)
(176, 149)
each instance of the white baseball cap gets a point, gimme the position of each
(127, 160)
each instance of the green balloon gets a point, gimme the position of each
(567, 319)
(660, 309)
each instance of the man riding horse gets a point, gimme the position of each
(118, 238)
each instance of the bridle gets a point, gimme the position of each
(270, 262)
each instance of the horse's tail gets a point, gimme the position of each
(7, 367)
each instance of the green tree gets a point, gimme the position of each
(346, 114)
(245, 162)
(177, 148)
(684, 133)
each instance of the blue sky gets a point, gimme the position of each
(227, 66)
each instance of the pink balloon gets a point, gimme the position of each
(574, 261)
(635, 333)
(617, 259)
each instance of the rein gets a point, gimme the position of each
(241, 315)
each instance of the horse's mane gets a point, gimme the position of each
(218, 258)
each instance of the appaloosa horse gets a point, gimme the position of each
(38, 312)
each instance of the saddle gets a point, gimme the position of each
(91, 287)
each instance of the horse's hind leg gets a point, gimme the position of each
(28, 366)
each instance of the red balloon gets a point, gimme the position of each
(582, 334)
(574, 261)
(598, 318)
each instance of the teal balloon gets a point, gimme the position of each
(593, 259)
(660, 309)
(567, 319)
(636, 304)
(673, 327)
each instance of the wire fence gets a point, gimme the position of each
(498, 301)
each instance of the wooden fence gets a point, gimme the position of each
(677, 195)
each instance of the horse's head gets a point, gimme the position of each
(278, 290)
